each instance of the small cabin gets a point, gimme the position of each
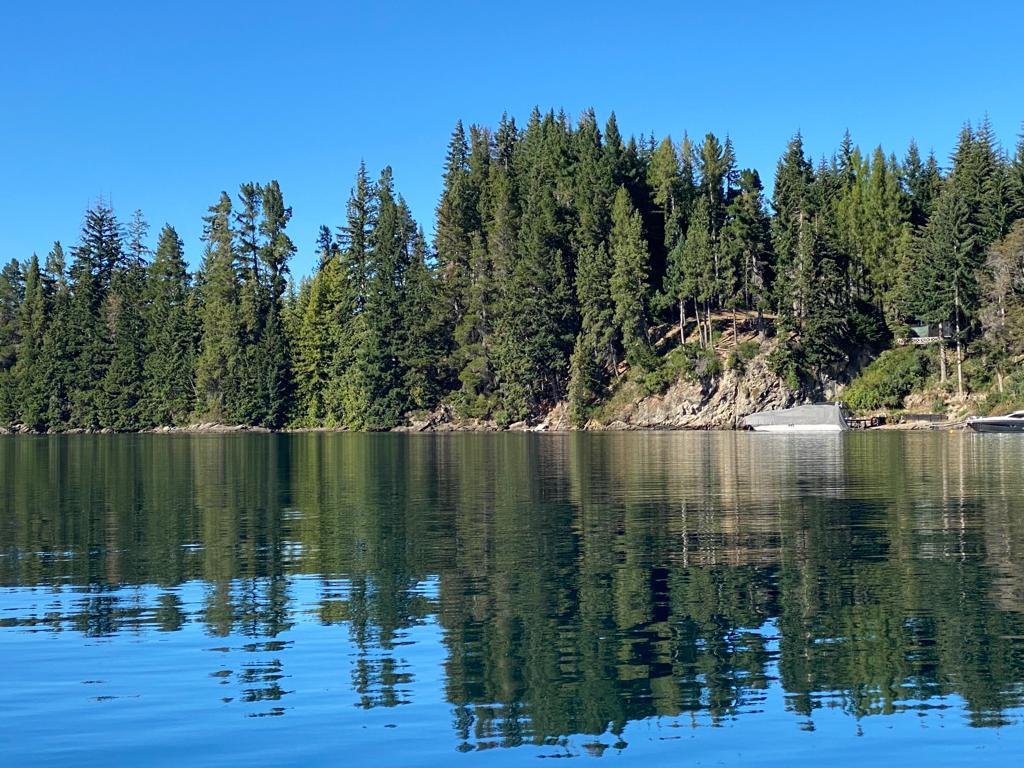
(927, 333)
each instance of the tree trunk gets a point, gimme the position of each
(942, 362)
(959, 345)
(959, 367)
(735, 333)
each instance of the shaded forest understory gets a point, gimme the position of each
(570, 269)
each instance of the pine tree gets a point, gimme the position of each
(593, 190)
(886, 212)
(947, 269)
(272, 368)
(346, 393)
(121, 391)
(28, 373)
(595, 356)
(982, 181)
(57, 359)
(693, 272)
(219, 315)
(746, 244)
(423, 338)
(1002, 311)
(12, 291)
(922, 182)
(665, 229)
(378, 357)
(457, 219)
(716, 163)
(630, 288)
(171, 335)
(90, 336)
(1016, 183)
(795, 281)
(535, 331)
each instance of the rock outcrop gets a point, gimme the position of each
(720, 403)
(717, 403)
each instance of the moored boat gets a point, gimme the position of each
(822, 417)
(1011, 422)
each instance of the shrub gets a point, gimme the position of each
(744, 352)
(888, 380)
(689, 361)
(784, 363)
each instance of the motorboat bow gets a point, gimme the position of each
(1011, 422)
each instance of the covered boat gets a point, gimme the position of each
(1011, 422)
(823, 417)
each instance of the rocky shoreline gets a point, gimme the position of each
(719, 403)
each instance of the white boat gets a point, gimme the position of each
(1011, 422)
(823, 417)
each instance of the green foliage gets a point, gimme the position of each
(690, 362)
(171, 335)
(785, 362)
(557, 248)
(744, 352)
(888, 379)
(629, 280)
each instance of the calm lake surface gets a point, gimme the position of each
(646, 598)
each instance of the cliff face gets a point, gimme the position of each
(721, 403)
(718, 403)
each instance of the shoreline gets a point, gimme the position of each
(234, 429)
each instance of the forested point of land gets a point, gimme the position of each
(563, 260)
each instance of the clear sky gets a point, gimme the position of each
(160, 106)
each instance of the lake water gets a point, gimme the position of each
(649, 598)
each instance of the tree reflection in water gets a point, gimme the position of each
(578, 582)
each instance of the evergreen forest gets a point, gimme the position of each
(564, 258)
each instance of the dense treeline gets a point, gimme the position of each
(562, 254)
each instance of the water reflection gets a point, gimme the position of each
(565, 584)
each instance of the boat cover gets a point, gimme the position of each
(801, 415)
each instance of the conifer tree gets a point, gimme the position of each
(1017, 178)
(220, 319)
(535, 331)
(12, 290)
(346, 393)
(1002, 309)
(171, 335)
(457, 219)
(947, 270)
(593, 190)
(423, 339)
(693, 271)
(379, 356)
(922, 182)
(630, 288)
(56, 360)
(122, 386)
(595, 357)
(268, 360)
(790, 201)
(747, 245)
(90, 342)
(28, 373)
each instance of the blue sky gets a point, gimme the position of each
(160, 106)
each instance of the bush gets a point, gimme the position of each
(689, 361)
(743, 354)
(888, 380)
(784, 362)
